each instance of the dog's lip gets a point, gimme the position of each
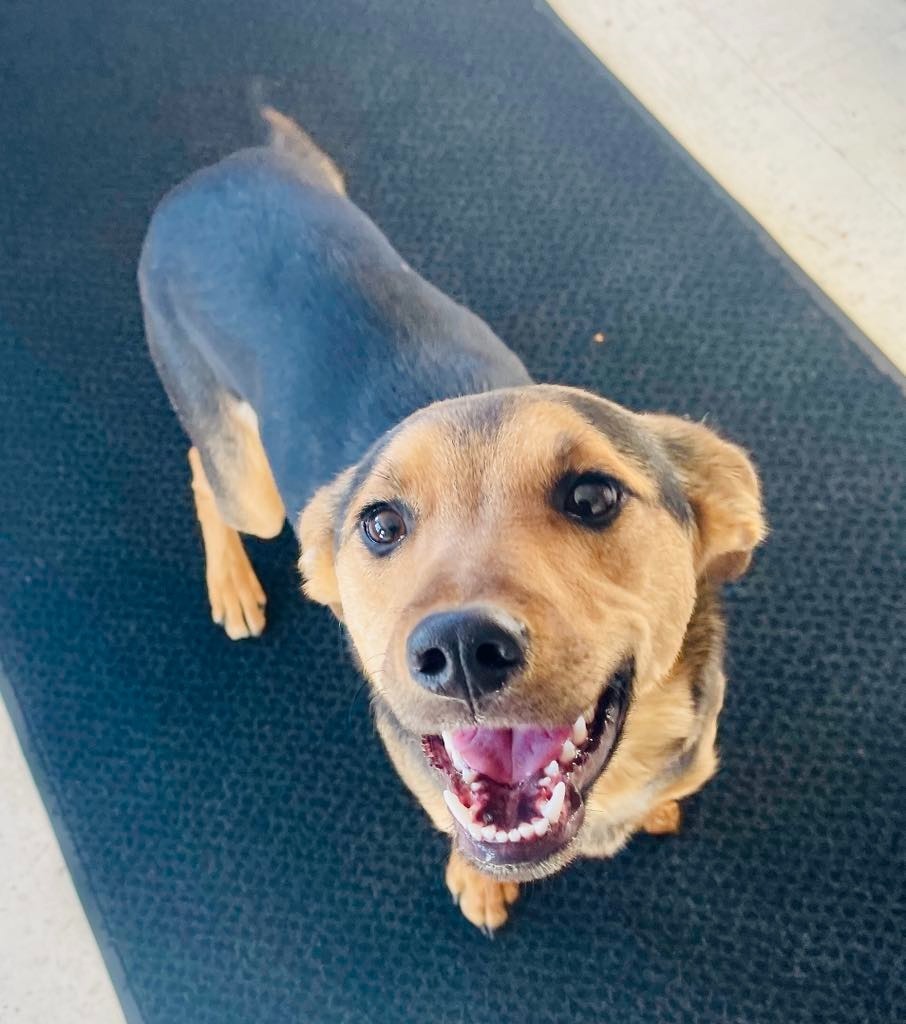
(535, 819)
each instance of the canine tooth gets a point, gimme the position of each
(475, 830)
(489, 834)
(457, 809)
(503, 837)
(515, 835)
(455, 755)
(469, 774)
(551, 810)
(580, 731)
(526, 830)
(544, 780)
(568, 753)
(552, 769)
(540, 826)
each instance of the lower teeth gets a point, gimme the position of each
(548, 813)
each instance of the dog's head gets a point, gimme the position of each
(514, 568)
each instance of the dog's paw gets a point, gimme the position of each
(483, 901)
(237, 600)
(664, 820)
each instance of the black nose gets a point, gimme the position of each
(466, 654)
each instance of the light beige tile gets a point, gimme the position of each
(781, 38)
(51, 971)
(858, 105)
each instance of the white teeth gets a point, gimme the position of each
(455, 755)
(475, 787)
(568, 753)
(459, 812)
(551, 810)
(544, 781)
(552, 769)
(469, 774)
(580, 731)
(526, 830)
(548, 814)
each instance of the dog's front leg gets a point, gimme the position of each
(664, 820)
(237, 600)
(483, 901)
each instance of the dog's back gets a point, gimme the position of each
(267, 291)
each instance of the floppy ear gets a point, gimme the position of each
(317, 529)
(722, 487)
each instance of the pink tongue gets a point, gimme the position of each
(510, 755)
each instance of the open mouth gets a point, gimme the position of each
(516, 795)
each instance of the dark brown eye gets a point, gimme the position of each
(593, 499)
(384, 526)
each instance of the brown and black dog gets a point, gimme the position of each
(529, 574)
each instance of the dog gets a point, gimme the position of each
(529, 574)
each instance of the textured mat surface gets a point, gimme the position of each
(183, 771)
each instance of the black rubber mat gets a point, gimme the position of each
(241, 844)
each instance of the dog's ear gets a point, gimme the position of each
(722, 487)
(317, 531)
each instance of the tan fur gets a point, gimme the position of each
(724, 491)
(483, 539)
(236, 598)
(487, 533)
(243, 497)
(409, 763)
(665, 729)
(316, 559)
(287, 137)
(664, 820)
(246, 493)
(483, 901)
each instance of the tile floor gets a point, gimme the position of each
(51, 971)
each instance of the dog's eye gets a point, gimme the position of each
(383, 526)
(594, 499)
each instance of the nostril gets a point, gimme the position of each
(495, 656)
(432, 662)
(466, 653)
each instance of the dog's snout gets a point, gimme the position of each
(466, 654)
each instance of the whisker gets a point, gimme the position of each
(355, 697)
(365, 666)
